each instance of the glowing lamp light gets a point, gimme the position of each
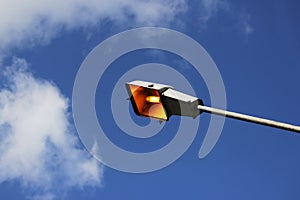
(153, 99)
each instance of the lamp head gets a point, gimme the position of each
(160, 101)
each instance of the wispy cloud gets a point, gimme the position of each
(34, 21)
(37, 145)
(211, 7)
(245, 23)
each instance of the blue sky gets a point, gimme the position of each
(256, 46)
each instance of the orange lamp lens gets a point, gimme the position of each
(147, 102)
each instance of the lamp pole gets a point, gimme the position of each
(249, 118)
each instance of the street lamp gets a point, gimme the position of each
(162, 101)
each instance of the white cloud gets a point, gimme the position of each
(31, 22)
(37, 146)
(34, 21)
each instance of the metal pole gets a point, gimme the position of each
(249, 118)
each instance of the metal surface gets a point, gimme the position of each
(249, 118)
